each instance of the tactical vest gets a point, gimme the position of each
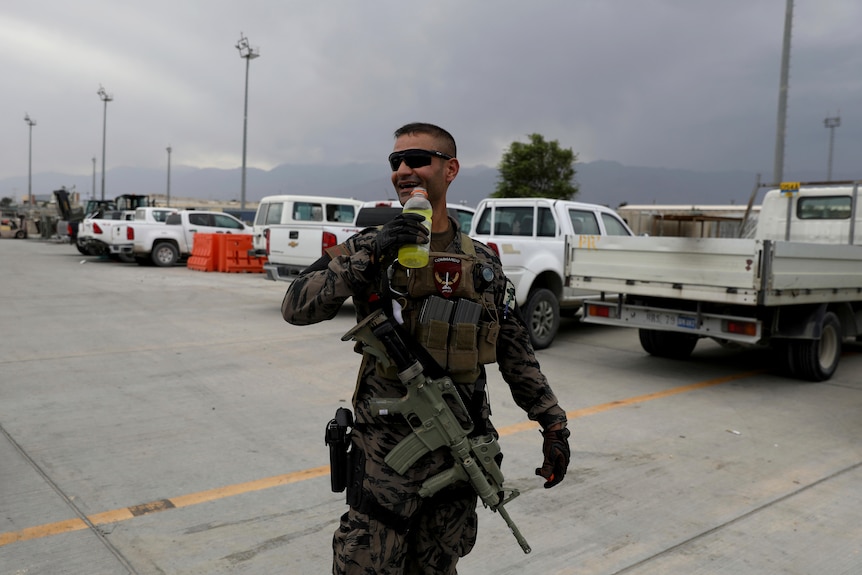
(449, 308)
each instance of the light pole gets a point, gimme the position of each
(781, 129)
(30, 123)
(169, 175)
(93, 193)
(831, 123)
(249, 53)
(105, 97)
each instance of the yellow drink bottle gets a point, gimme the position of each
(416, 255)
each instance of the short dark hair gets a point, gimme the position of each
(447, 141)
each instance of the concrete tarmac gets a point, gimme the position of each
(168, 421)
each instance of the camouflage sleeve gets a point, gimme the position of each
(516, 358)
(317, 294)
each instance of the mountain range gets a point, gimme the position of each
(602, 182)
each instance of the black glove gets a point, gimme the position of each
(557, 454)
(401, 230)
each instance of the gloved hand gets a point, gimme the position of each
(401, 230)
(557, 454)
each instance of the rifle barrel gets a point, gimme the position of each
(513, 528)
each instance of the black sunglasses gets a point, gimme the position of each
(415, 158)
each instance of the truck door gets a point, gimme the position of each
(268, 214)
(197, 223)
(204, 223)
(227, 224)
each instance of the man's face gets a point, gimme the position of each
(434, 177)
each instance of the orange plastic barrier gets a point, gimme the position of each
(233, 255)
(205, 253)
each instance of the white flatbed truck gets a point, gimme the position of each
(796, 286)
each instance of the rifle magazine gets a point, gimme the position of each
(406, 453)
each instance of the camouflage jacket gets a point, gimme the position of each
(318, 293)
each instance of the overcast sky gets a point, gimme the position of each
(689, 84)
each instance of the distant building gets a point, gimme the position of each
(691, 221)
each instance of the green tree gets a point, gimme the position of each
(5, 202)
(537, 169)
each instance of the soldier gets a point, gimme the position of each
(389, 529)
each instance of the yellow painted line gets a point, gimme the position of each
(42, 531)
(578, 413)
(117, 515)
(240, 488)
(124, 514)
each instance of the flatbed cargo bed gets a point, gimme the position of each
(720, 270)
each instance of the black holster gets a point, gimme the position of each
(338, 439)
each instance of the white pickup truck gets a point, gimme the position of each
(301, 237)
(531, 236)
(796, 286)
(113, 237)
(95, 232)
(290, 230)
(165, 244)
(299, 212)
(79, 224)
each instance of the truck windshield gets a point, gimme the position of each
(614, 227)
(465, 218)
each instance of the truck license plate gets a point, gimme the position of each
(670, 319)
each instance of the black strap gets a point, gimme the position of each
(370, 507)
(432, 368)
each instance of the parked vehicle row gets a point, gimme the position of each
(529, 235)
(151, 235)
(292, 231)
(73, 218)
(796, 286)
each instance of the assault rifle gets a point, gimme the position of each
(427, 407)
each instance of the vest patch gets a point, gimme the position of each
(447, 275)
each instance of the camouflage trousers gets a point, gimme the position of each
(389, 529)
(431, 546)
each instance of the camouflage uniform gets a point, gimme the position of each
(389, 529)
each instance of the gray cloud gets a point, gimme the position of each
(661, 83)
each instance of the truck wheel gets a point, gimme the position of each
(542, 315)
(165, 255)
(669, 344)
(82, 249)
(19, 235)
(817, 359)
